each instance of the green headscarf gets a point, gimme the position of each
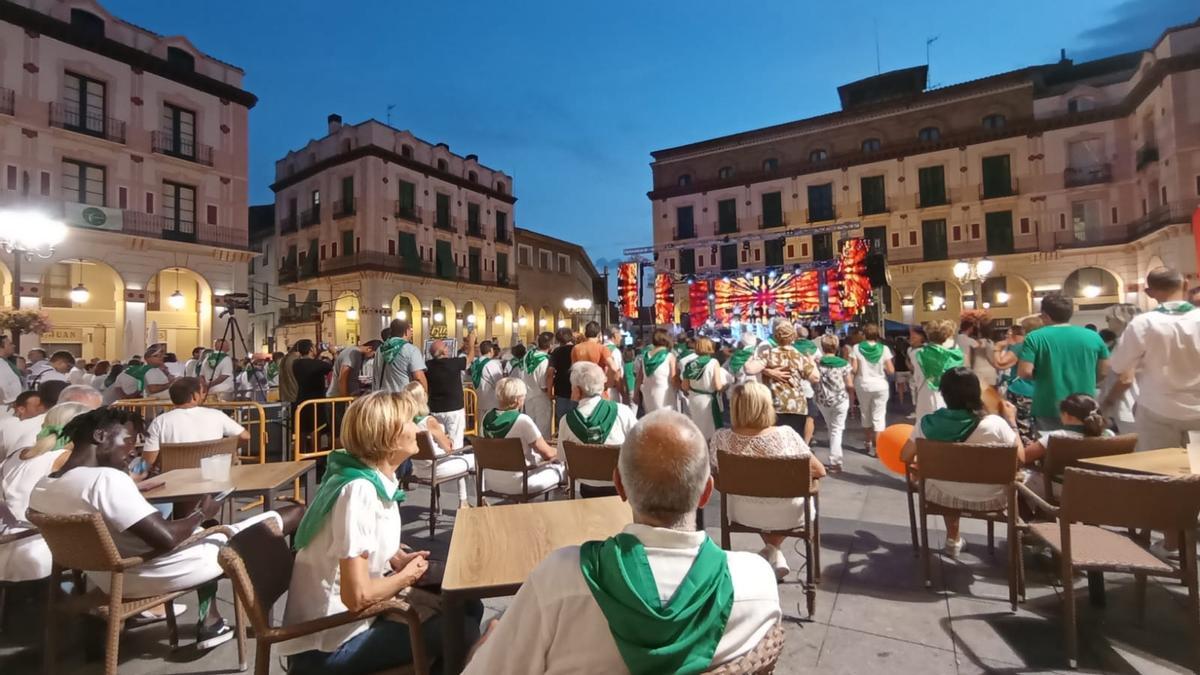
(871, 351)
(935, 360)
(60, 440)
(630, 376)
(213, 359)
(679, 637)
(951, 426)
(593, 429)
(1176, 308)
(805, 347)
(342, 467)
(681, 350)
(272, 370)
(496, 423)
(389, 350)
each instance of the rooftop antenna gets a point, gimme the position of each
(879, 69)
(393, 105)
(928, 42)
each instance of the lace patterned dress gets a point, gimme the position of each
(764, 512)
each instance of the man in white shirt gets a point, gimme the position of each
(192, 367)
(486, 371)
(10, 380)
(35, 363)
(1162, 350)
(217, 371)
(578, 604)
(22, 434)
(188, 422)
(59, 364)
(27, 404)
(595, 421)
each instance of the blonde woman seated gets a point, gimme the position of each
(508, 421)
(754, 433)
(348, 544)
(964, 420)
(442, 445)
(29, 558)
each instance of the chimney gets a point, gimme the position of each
(335, 123)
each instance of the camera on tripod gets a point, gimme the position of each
(234, 301)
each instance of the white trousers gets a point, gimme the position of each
(873, 405)
(455, 423)
(1155, 431)
(835, 420)
(541, 410)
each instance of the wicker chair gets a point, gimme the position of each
(505, 454)
(1063, 453)
(776, 478)
(981, 465)
(188, 455)
(758, 661)
(589, 462)
(426, 452)
(259, 562)
(82, 542)
(1097, 498)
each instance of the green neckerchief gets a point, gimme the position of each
(630, 376)
(476, 369)
(1181, 307)
(60, 440)
(694, 369)
(593, 429)
(533, 360)
(805, 347)
(682, 350)
(389, 350)
(138, 372)
(496, 423)
(272, 370)
(935, 360)
(214, 358)
(420, 418)
(14, 369)
(653, 359)
(831, 361)
(871, 351)
(714, 406)
(341, 468)
(680, 637)
(610, 346)
(738, 359)
(951, 426)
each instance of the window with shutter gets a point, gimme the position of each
(931, 181)
(685, 224)
(997, 177)
(444, 261)
(874, 197)
(999, 232)
(772, 209)
(727, 216)
(933, 236)
(687, 261)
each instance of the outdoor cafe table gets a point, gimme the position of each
(494, 548)
(1165, 462)
(247, 480)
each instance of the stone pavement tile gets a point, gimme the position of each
(902, 613)
(986, 631)
(801, 647)
(990, 667)
(855, 653)
(1111, 639)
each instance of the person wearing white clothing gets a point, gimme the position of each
(486, 370)
(56, 368)
(216, 369)
(703, 379)
(442, 444)
(10, 380)
(532, 371)
(929, 361)
(27, 404)
(188, 422)
(656, 370)
(832, 395)
(595, 421)
(616, 364)
(871, 361)
(349, 555)
(568, 616)
(1162, 350)
(735, 366)
(507, 421)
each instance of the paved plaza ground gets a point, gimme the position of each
(873, 612)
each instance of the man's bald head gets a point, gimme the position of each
(439, 349)
(663, 468)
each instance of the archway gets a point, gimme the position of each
(1007, 296)
(94, 327)
(347, 330)
(441, 319)
(937, 300)
(474, 315)
(179, 310)
(502, 325)
(1094, 290)
(526, 325)
(407, 307)
(564, 321)
(546, 320)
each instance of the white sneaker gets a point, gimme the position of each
(1159, 550)
(955, 546)
(777, 560)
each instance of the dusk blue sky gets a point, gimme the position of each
(570, 97)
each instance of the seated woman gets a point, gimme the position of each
(507, 421)
(442, 445)
(964, 420)
(29, 558)
(94, 480)
(752, 414)
(349, 548)
(1081, 418)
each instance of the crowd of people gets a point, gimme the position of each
(674, 406)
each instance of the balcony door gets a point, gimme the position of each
(933, 239)
(83, 100)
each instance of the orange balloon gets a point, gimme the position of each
(889, 445)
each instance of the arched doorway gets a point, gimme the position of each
(347, 329)
(564, 321)
(937, 300)
(178, 307)
(474, 315)
(546, 320)
(502, 325)
(526, 325)
(85, 300)
(1094, 290)
(406, 307)
(442, 319)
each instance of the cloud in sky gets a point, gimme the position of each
(1133, 25)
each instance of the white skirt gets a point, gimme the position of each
(509, 482)
(24, 559)
(540, 410)
(450, 467)
(768, 513)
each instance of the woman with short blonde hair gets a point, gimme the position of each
(753, 432)
(442, 445)
(507, 421)
(702, 380)
(348, 544)
(938, 355)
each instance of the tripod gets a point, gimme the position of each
(233, 329)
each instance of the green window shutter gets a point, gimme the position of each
(347, 243)
(878, 238)
(729, 257)
(408, 252)
(933, 236)
(310, 260)
(874, 197)
(685, 223)
(772, 209)
(774, 252)
(820, 202)
(407, 207)
(473, 217)
(501, 226)
(727, 216)
(997, 176)
(502, 268)
(932, 183)
(442, 219)
(444, 260)
(999, 232)
(823, 246)
(687, 261)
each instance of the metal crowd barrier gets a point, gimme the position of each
(249, 414)
(471, 407)
(307, 433)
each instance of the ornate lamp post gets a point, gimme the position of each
(974, 272)
(26, 234)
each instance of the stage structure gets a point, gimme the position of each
(629, 288)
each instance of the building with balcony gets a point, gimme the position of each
(552, 272)
(373, 223)
(138, 142)
(1073, 176)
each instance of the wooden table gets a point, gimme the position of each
(247, 480)
(494, 548)
(1165, 462)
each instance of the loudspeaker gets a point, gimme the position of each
(877, 270)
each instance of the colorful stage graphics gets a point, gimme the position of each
(850, 290)
(698, 301)
(760, 297)
(664, 299)
(627, 289)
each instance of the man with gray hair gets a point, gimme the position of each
(85, 394)
(594, 421)
(582, 609)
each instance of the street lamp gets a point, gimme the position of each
(975, 273)
(79, 295)
(176, 301)
(352, 314)
(26, 234)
